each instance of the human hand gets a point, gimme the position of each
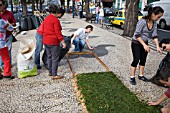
(91, 48)
(71, 45)
(64, 45)
(165, 110)
(159, 50)
(152, 103)
(146, 47)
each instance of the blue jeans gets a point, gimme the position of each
(9, 44)
(97, 18)
(79, 44)
(38, 48)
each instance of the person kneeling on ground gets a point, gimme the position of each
(79, 36)
(165, 80)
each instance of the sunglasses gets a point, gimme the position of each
(1, 4)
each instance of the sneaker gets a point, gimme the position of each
(56, 77)
(39, 67)
(133, 81)
(9, 77)
(49, 74)
(143, 78)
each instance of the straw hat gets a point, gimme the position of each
(27, 48)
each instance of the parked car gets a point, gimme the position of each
(164, 21)
(9, 8)
(108, 11)
(119, 19)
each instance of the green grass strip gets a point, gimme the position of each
(105, 93)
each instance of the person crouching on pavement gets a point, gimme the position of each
(4, 49)
(165, 80)
(39, 39)
(80, 38)
(52, 37)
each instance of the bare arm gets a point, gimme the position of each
(74, 36)
(88, 44)
(157, 45)
(146, 47)
(159, 101)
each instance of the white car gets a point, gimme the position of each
(164, 21)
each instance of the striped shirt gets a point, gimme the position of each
(144, 32)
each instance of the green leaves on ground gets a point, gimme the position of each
(105, 93)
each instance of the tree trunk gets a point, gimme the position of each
(131, 17)
(40, 5)
(68, 6)
(87, 9)
(24, 7)
(33, 6)
(37, 4)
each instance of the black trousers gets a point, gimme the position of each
(139, 54)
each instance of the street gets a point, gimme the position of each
(163, 33)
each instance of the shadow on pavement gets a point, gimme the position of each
(94, 36)
(100, 50)
(67, 22)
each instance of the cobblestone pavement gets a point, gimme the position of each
(40, 94)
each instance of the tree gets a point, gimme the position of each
(88, 15)
(131, 17)
(24, 7)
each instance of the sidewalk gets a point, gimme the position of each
(41, 94)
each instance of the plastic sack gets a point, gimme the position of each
(163, 70)
(63, 51)
(25, 62)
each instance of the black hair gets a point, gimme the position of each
(53, 9)
(89, 26)
(4, 2)
(156, 10)
(61, 11)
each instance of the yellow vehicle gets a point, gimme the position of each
(119, 19)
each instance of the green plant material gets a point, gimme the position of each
(105, 93)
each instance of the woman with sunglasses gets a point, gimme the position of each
(146, 28)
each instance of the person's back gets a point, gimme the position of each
(52, 30)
